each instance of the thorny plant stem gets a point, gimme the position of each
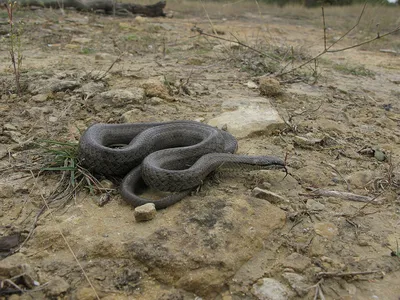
(323, 20)
(16, 58)
(201, 32)
(327, 48)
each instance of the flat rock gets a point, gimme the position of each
(259, 265)
(86, 293)
(122, 97)
(56, 287)
(270, 289)
(248, 117)
(206, 240)
(268, 195)
(40, 98)
(362, 178)
(92, 88)
(131, 116)
(297, 282)
(80, 40)
(314, 205)
(6, 190)
(117, 98)
(296, 262)
(326, 229)
(16, 265)
(52, 85)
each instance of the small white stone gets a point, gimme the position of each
(268, 195)
(10, 127)
(251, 85)
(145, 212)
(270, 289)
(314, 205)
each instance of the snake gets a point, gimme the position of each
(174, 156)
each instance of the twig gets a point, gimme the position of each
(38, 214)
(318, 290)
(70, 249)
(351, 29)
(343, 195)
(323, 21)
(110, 67)
(337, 171)
(345, 274)
(378, 36)
(327, 48)
(201, 32)
(15, 50)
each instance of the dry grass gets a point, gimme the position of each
(339, 19)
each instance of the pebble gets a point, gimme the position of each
(39, 98)
(86, 293)
(251, 85)
(107, 184)
(6, 191)
(314, 205)
(145, 212)
(270, 86)
(131, 116)
(326, 229)
(362, 178)
(379, 155)
(57, 286)
(15, 265)
(297, 282)
(297, 262)
(10, 127)
(268, 195)
(270, 289)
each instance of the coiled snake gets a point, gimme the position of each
(170, 156)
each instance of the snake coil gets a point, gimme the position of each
(169, 156)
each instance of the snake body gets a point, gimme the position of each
(169, 156)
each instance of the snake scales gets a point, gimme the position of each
(171, 156)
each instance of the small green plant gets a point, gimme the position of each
(15, 49)
(131, 37)
(354, 70)
(87, 51)
(63, 157)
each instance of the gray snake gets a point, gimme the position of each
(170, 156)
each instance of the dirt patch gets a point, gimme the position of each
(226, 241)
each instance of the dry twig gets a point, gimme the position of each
(318, 290)
(327, 49)
(337, 171)
(345, 274)
(343, 195)
(201, 32)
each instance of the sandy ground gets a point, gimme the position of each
(342, 135)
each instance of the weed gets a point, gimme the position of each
(131, 37)
(354, 70)
(395, 252)
(87, 51)
(64, 159)
(15, 49)
(153, 28)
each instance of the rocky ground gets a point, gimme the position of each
(243, 235)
